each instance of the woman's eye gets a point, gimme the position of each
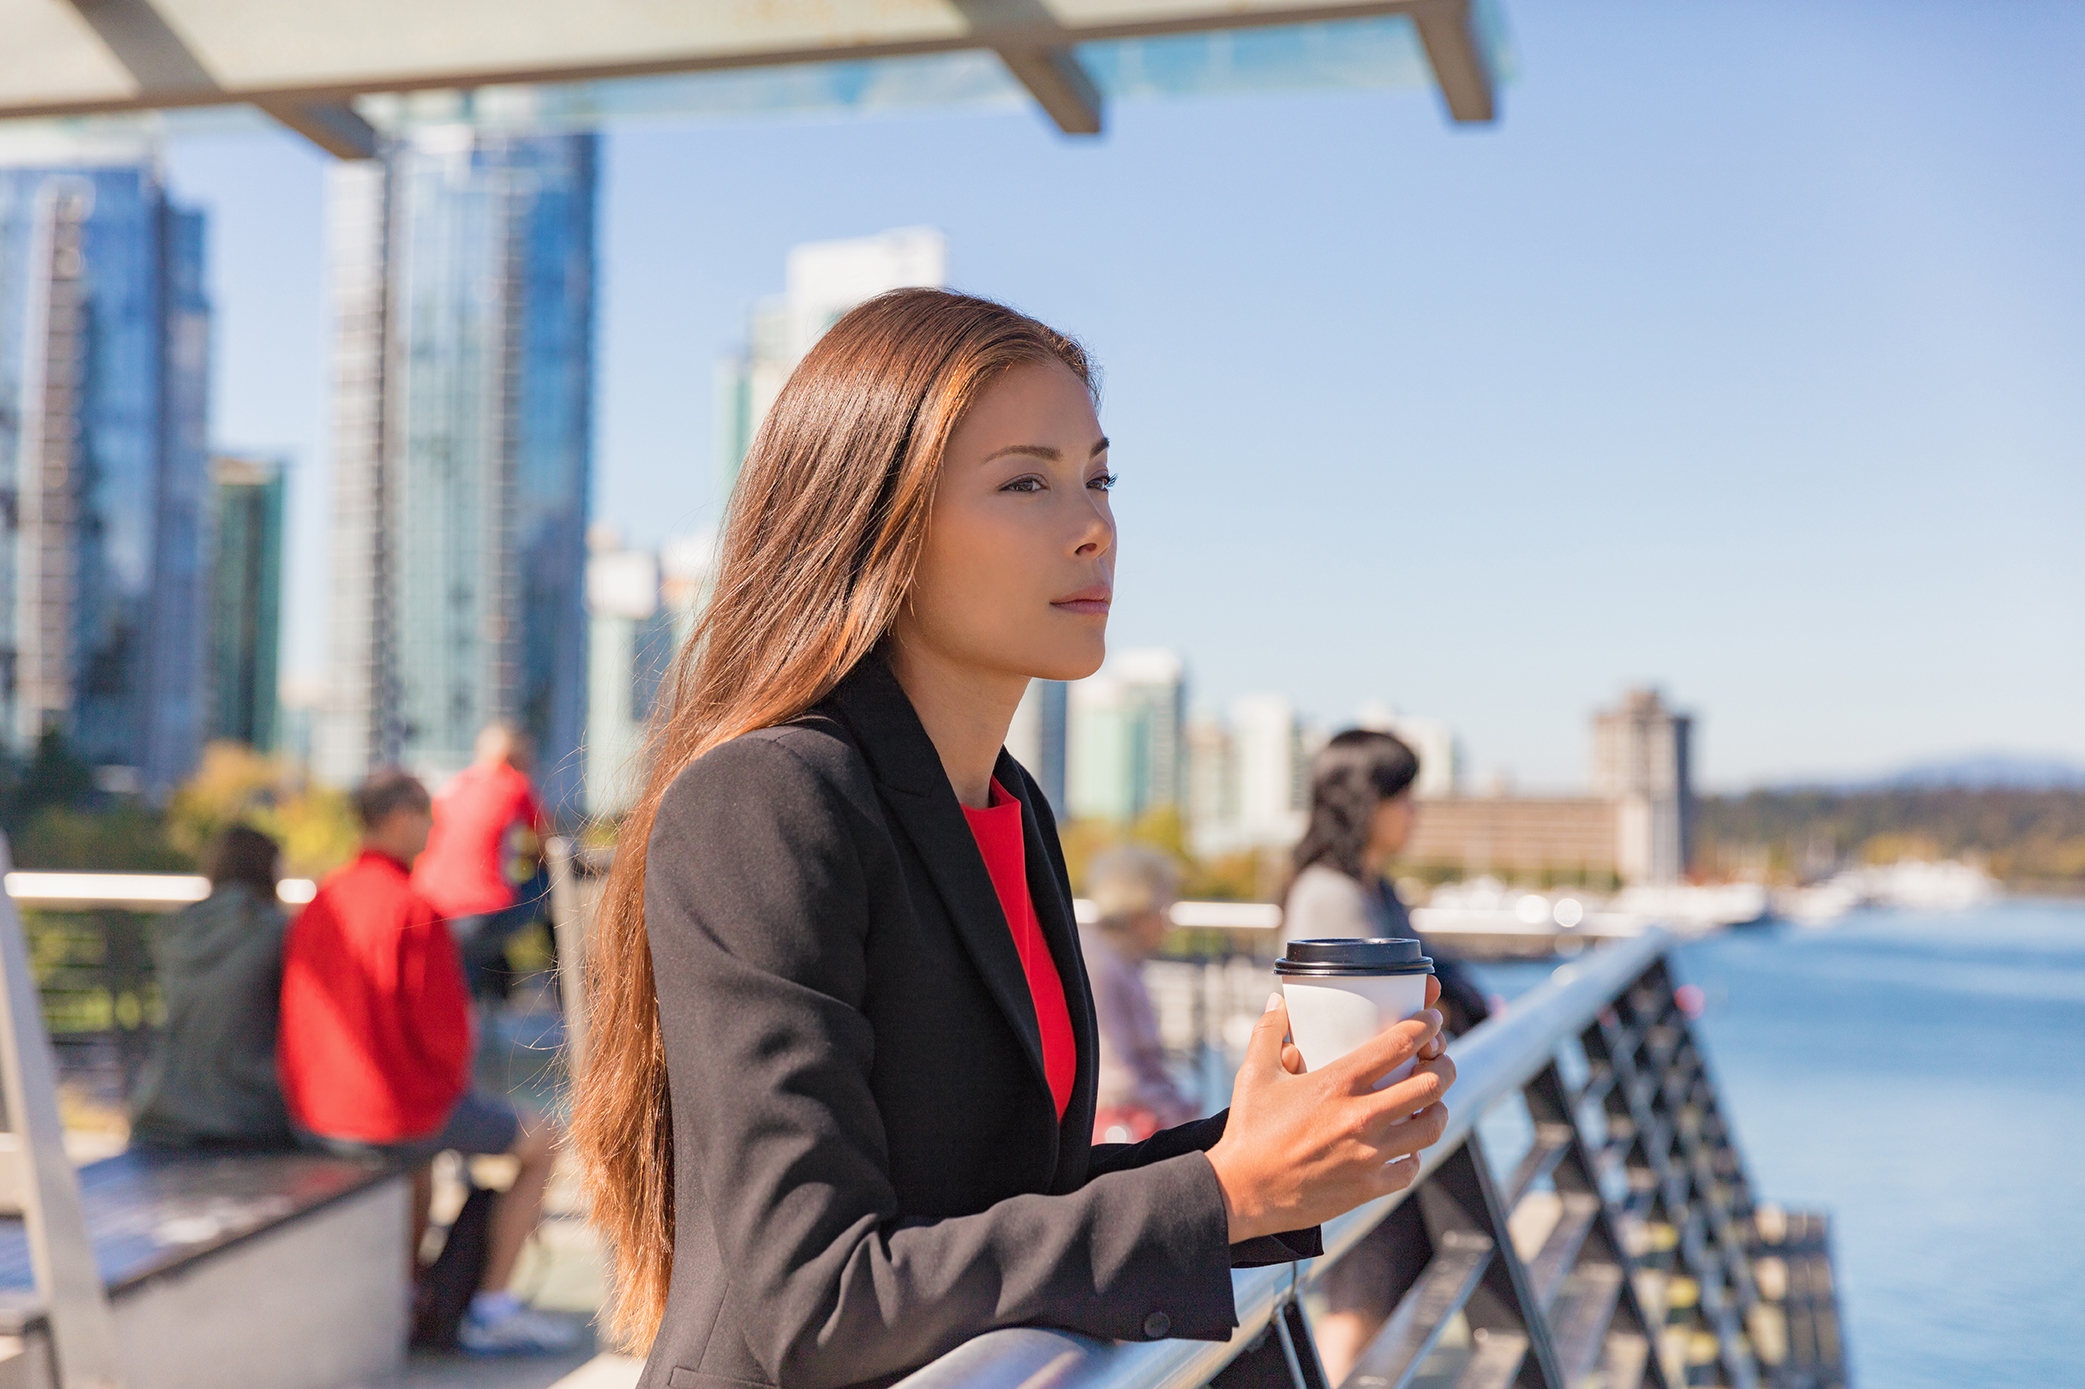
(1024, 484)
(1103, 483)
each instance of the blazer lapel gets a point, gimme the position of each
(902, 757)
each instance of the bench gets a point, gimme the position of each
(177, 1271)
(274, 1271)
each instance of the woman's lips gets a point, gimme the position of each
(1091, 601)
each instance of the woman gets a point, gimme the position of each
(1361, 817)
(1133, 888)
(839, 1115)
(210, 1081)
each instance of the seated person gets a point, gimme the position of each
(210, 1081)
(1133, 888)
(375, 1052)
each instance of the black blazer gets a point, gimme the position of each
(869, 1168)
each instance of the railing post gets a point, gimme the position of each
(1652, 1096)
(1282, 1356)
(1455, 1253)
(569, 929)
(76, 1303)
(1561, 1147)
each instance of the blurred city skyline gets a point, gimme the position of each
(1740, 358)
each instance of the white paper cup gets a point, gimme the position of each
(1343, 993)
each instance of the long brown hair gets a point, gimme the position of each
(820, 542)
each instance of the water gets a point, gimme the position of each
(1921, 1077)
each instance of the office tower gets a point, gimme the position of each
(822, 281)
(1212, 788)
(1440, 770)
(245, 599)
(104, 343)
(463, 283)
(629, 642)
(1641, 759)
(299, 710)
(1127, 752)
(1272, 770)
(1154, 684)
(687, 567)
(1037, 739)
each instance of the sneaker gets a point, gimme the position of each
(514, 1330)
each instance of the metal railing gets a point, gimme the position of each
(1622, 1247)
(1620, 1250)
(88, 946)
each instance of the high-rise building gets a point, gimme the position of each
(1212, 787)
(104, 364)
(1127, 751)
(629, 642)
(1272, 767)
(687, 569)
(1039, 738)
(1642, 760)
(300, 708)
(245, 599)
(822, 281)
(463, 283)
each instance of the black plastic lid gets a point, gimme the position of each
(1353, 955)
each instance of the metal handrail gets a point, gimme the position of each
(143, 892)
(1634, 1266)
(1494, 1060)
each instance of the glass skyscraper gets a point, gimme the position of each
(463, 289)
(104, 361)
(246, 599)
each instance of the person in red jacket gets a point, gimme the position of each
(482, 869)
(374, 1050)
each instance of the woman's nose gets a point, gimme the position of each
(1097, 537)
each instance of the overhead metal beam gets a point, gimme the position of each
(150, 51)
(333, 126)
(167, 70)
(305, 63)
(1037, 50)
(1059, 85)
(1458, 63)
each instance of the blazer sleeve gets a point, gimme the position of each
(1199, 1136)
(756, 905)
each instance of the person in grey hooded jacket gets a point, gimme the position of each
(210, 1081)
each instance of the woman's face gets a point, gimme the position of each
(1019, 566)
(1391, 828)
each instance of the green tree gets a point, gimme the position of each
(55, 777)
(233, 784)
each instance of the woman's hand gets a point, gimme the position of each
(1302, 1148)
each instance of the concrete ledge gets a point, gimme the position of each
(317, 1303)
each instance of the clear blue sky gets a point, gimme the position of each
(1745, 354)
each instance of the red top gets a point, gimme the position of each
(375, 1040)
(1005, 848)
(464, 871)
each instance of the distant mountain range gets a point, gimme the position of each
(1981, 771)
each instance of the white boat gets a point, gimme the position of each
(1912, 884)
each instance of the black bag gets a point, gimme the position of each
(445, 1287)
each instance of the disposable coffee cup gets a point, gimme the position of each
(1343, 993)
